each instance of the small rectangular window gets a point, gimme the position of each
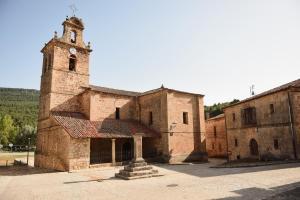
(185, 118)
(215, 131)
(150, 118)
(117, 113)
(272, 110)
(236, 142)
(276, 144)
(233, 116)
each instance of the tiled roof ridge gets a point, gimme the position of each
(216, 117)
(295, 83)
(136, 94)
(114, 91)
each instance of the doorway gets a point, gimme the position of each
(127, 151)
(253, 147)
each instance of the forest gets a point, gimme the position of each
(18, 115)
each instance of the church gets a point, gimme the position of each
(82, 125)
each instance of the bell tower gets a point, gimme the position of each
(65, 69)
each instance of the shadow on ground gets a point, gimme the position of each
(204, 170)
(284, 192)
(92, 180)
(20, 170)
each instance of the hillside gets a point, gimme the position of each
(20, 104)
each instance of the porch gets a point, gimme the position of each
(118, 151)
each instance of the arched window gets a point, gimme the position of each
(72, 63)
(73, 36)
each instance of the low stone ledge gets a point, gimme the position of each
(253, 164)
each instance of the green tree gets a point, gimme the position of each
(217, 109)
(7, 130)
(26, 132)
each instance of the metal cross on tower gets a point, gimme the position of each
(73, 8)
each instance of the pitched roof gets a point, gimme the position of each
(75, 124)
(216, 117)
(286, 86)
(114, 91)
(135, 94)
(78, 126)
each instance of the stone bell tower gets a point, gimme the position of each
(65, 69)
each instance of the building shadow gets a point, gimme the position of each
(203, 170)
(21, 170)
(288, 191)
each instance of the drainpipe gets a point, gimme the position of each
(292, 126)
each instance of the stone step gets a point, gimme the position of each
(132, 169)
(137, 164)
(133, 177)
(136, 173)
(137, 177)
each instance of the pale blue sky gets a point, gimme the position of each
(214, 47)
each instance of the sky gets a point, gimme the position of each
(218, 48)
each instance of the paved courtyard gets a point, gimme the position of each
(195, 181)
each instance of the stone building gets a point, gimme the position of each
(265, 126)
(81, 125)
(215, 135)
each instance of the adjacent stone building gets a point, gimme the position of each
(81, 125)
(215, 135)
(265, 126)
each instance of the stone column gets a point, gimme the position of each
(113, 151)
(138, 148)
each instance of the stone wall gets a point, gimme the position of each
(104, 105)
(52, 150)
(186, 140)
(79, 153)
(269, 127)
(151, 103)
(216, 142)
(295, 105)
(155, 103)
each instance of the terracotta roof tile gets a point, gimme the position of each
(75, 124)
(78, 126)
(122, 128)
